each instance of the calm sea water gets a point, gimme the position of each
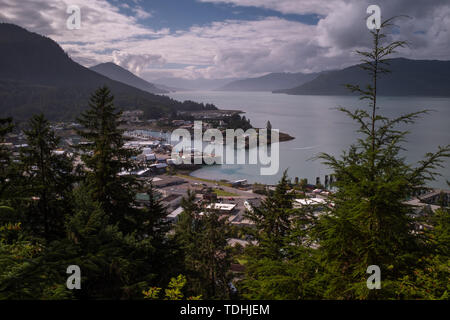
(318, 127)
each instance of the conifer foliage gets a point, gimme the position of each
(104, 155)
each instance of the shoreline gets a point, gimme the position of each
(283, 137)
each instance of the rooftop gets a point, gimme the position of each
(221, 206)
(310, 201)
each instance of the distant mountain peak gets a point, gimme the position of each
(118, 73)
(37, 76)
(269, 82)
(407, 78)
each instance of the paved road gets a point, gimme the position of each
(239, 199)
(192, 182)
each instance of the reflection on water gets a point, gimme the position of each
(318, 127)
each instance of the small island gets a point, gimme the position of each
(211, 119)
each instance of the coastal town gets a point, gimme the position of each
(150, 142)
(220, 158)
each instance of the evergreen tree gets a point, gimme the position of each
(281, 264)
(429, 279)
(47, 179)
(155, 225)
(203, 242)
(22, 273)
(272, 221)
(215, 255)
(440, 233)
(137, 245)
(114, 265)
(6, 126)
(7, 181)
(105, 157)
(154, 217)
(369, 223)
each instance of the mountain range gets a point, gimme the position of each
(270, 82)
(407, 78)
(115, 72)
(37, 76)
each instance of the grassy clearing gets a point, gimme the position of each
(220, 183)
(223, 193)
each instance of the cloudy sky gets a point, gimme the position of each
(229, 38)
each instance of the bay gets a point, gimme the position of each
(318, 127)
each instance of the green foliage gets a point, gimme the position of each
(152, 293)
(203, 241)
(105, 157)
(173, 291)
(152, 223)
(47, 179)
(90, 221)
(114, 264)
(24, 271)
(6, 126)
(292, 278)
(300, 254)
(430, 281)
(369, 223)
(440, 233)
(237, 122)
(272, 221)
(281, 265)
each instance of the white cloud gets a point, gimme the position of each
(141, 13)
(136, 63)
(100, 20)
(233, 48)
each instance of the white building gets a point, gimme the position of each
(173, 216)
(225, 207)
(299, 203)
